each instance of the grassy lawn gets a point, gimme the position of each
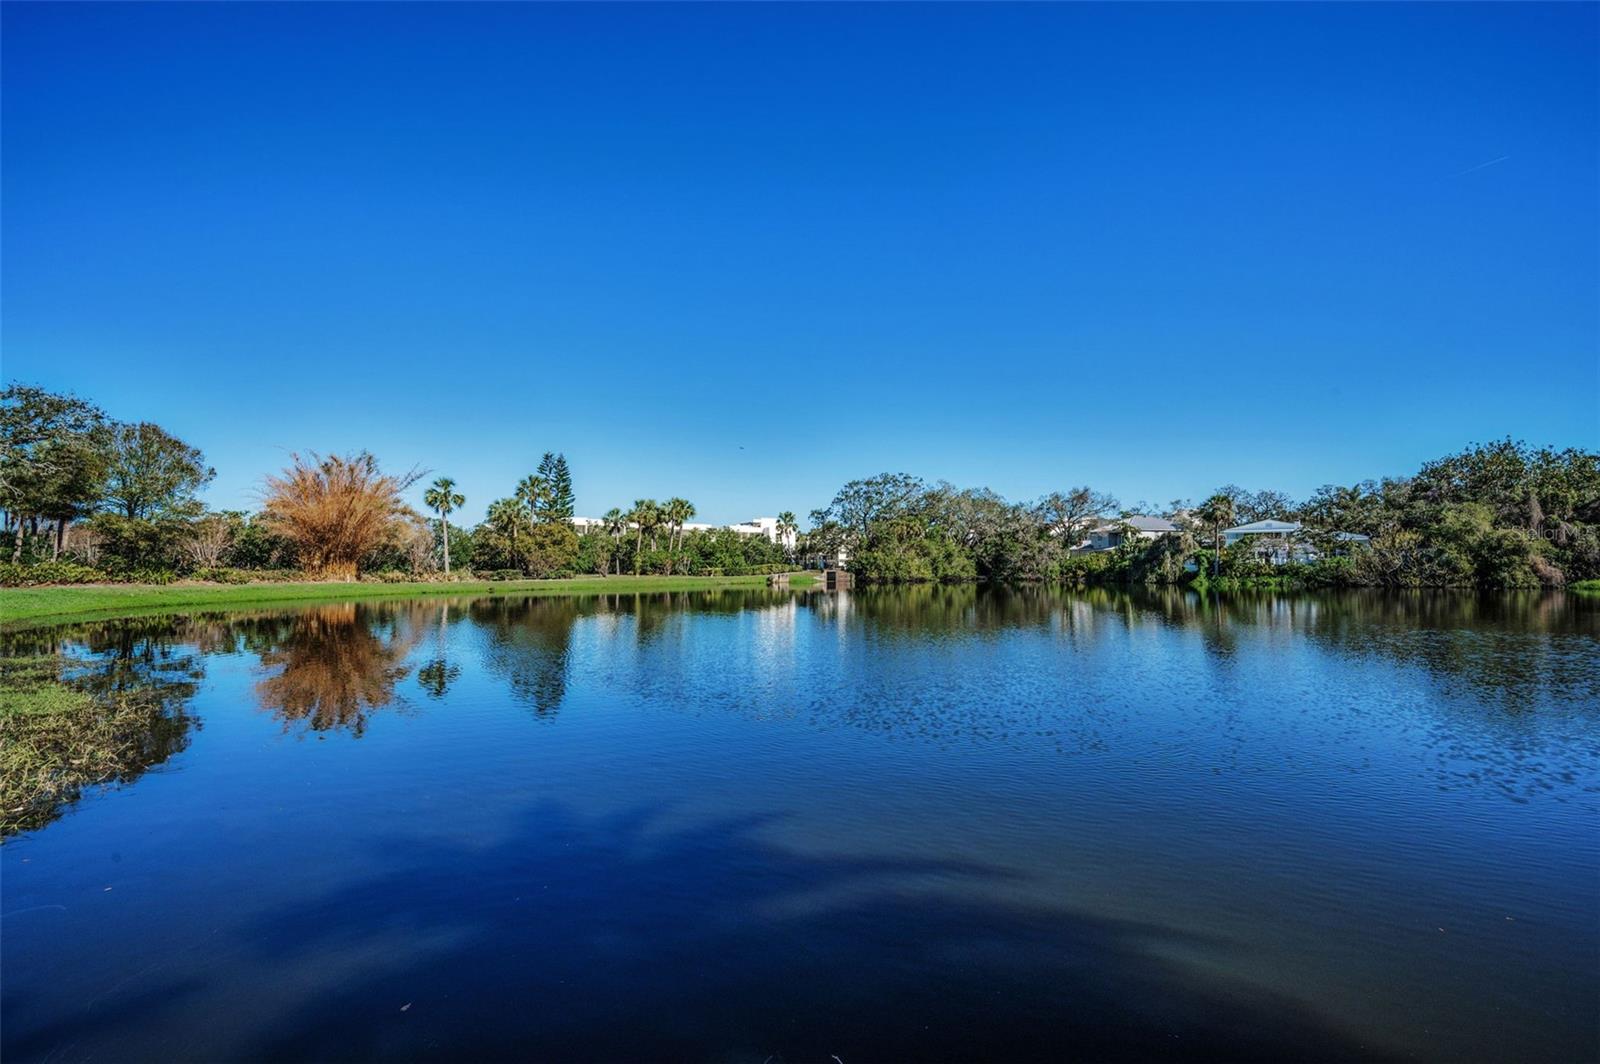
(34, 605)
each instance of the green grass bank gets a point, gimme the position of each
(27, 606)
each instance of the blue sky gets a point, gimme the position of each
(745, 253)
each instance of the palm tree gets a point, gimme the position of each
(533, 491)
(676, 512)
(506, 516)
(646, 514)
(442, 498)
(788, 527)
(1217, 512)
(616, 523)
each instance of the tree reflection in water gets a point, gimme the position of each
(334, 668)
(436, 677)
(528, 642)
(1498, 662)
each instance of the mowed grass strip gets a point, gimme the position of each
(35, 605)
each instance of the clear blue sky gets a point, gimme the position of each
(745, 253)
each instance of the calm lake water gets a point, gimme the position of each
(912, 824)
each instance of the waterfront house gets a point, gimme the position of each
(1108, 534)
(1284, 541)
(1273, 529)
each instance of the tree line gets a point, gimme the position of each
(86, 497)
(1495, 515)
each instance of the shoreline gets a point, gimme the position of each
(31, 607)
(26, 607)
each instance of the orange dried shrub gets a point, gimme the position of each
(336, 510)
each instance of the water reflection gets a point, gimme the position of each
(1130, 823)
(436, 677)
(99, 705)
(1515, 677)
(527, 642)
(334, 666)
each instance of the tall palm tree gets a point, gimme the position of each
(644, 512)
(1218, 512)
(675, 513)
(442, 498)
(533, 491)
(632, 518)
(788, 527)
(616, 523)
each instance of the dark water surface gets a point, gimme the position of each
(888, 825)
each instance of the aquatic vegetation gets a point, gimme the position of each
(58, 736)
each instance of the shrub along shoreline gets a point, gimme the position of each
(29, 606)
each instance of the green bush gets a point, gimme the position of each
(13, 574)
(1079, 569)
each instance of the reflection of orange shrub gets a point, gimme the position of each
(336, 510)
(334, 670)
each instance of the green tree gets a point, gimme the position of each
(153, 473)
(53, 453)
(443, 499)
(676, 512)
(552, 549)
(510, 523)
(558, 501)
(72, 486)
(862, 503)
(1071, 514)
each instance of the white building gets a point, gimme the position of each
(757, 526)
(1283, 541)
(1284, 529)
(766, 526)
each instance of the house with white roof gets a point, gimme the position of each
(1283, 541)
(1283, 529)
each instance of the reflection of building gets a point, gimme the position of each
(1108, 534)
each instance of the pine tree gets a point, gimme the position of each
(545, 509)
(561, 498)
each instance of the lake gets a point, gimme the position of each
(926, 823)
